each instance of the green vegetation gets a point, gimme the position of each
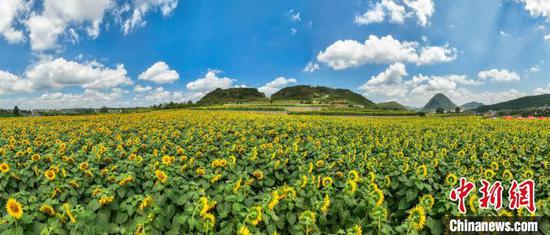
(237, 95)
(392, 105)
(526, 102)
(439, 101)
(322, 95)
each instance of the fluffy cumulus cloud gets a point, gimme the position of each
(344, 54)
(499, 75)
(397, 11)
(280, 82)
(10, 11)
(49, 21)
(537, 8)
(159, 73)
(391, 84)
(388, 83)
(210, 82)
(59, 73)
(11, 83)
(138, 88)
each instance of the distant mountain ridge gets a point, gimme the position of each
(391, 105)
(526, 102)
(321, 94)
(439, 100)
(471, 105)
(220, 96)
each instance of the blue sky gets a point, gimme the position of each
(90, 53)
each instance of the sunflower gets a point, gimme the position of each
(67, 208)
(327, 181)
(209, 221)
(507, 175)
(161, 176)
(14, 208)
(244, 230)
(304, 181)
(494, 166)
(325, 204)
(354, 175)
(379, 196)
(50, 175)
(47, 209)
(35, 157)
(417, 218)
(106, 200)
(274, 200)
(215, 178)
(146, 202)
(83, 166)
(422, 171)
(4, 167)
(215, 163)
(237, 185)
(126, 180)
(200, 171)
(258, 174)
(528, 174)
(489, 174)
(451, 179)
(320, 163)
(167, 160)
(427, 200)
(351, 186)
(223, 163)
(472, 202)
(257, 215)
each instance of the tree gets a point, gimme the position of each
(104, 110)
(16, 111)
(439, 110)
(457, 110)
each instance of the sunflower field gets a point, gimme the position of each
(224, 172)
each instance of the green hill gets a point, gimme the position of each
(232, 95)
(471, 105)
(526, 102)
(439, 101)
(392, 105)
(320, 94)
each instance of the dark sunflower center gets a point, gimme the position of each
(14, 208)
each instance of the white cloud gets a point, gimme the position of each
(311, 67)
(135, 11)
(385, 50)
(59, 100)
(280, 82)
(423, 9)
(542, 90)
(11, 83)
(294, 15)
(538, 8)
(499, 75)
(534, 69)
(547, 37)
(59, 73)
(10, 10)
(388, 83)
(140, 89)
(52, 21)
(374, 15)
(46, 27)
(210, 82)
(159, 73)
(396, 12)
